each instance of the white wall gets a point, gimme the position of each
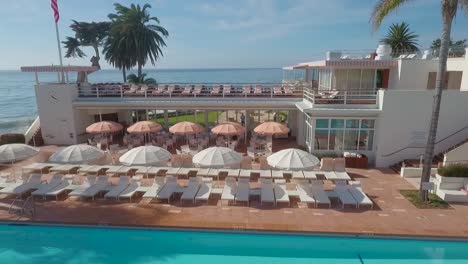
(411, 74)
(457, 155)
(404, 122)
(54, 105)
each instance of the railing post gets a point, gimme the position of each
(146, 93)
(97, 91)
(223, 92)
(271, 91)
(345, 97)
(121, 91)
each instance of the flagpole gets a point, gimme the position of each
(60, 52)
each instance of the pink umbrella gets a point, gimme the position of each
(144, 127)
(271, 128)
(228, 129)
(104, 127)
(186, 128)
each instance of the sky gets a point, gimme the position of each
(221, 33)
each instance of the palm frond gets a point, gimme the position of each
(72, 47)
(382, 9)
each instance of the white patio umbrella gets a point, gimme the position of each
(10, 153)
(81, 153)
(144, 156)
(292, 159)
(217, 157)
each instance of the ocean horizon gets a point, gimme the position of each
(18, 101)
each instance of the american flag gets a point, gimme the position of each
(53, 4)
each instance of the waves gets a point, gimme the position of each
(16, 125)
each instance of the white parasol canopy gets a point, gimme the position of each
(15, 152)
(217, 157)
(292, 159)
(81, 153)
(144, 156)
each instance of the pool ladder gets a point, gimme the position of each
(23, 207)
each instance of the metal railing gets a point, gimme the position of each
(341, 97)
(270, 90)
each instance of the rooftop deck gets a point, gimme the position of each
(392, 214)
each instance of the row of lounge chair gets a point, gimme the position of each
(187, 90)
(199, 189)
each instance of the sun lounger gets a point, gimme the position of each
(90, 180)
(361, 198)
(19, 188)
(63, 186)
(44, 188)
(243, 191)
(281, 193)
(340, 169)
(265, 174)
(204, 192)
(131, 190)
(320, 196)
(167, 191)
(309, 175)
(114, 193)
(267, 194)
(191, 190)
(297, 175)
(155, 188)
(345, 196)
(244, 174)
(101, 185)
(305, 193)
(277, 174)
(229, 190)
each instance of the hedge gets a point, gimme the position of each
(12, 138)
(454, 170)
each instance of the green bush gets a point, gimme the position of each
(322, 155)
(11, 138)
(454, 170)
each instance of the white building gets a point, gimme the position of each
(378, 107)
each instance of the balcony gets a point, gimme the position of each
(190, 91)
(341, 98)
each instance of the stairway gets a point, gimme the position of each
(37, 139)
(436, 161)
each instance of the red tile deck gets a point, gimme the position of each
(392, 214)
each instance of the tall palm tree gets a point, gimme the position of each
(86, 35)
(140, 32)
(449, 10)
(401, 39)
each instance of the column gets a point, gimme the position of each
(166, 118)
(205, 116)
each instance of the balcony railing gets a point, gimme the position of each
(191, 91)
(341, 97)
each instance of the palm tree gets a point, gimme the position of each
(449, 10)
(401, 39)
(457, 48)
(140, 32)
(86, 35)
(133, 78)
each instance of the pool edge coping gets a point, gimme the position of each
(240, 231)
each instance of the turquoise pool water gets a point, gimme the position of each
(38, 244)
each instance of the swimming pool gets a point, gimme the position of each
(45, 244)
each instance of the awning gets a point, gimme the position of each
(53, 68)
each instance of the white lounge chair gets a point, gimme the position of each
(345, 196)
(204, 192)
(340, 169)
(267, 194)
(361, 198)
(320, 196)
(167, 191)
(191, 190)
(114, 193)
(326, 168)
(131, 190)
(243, 191)
(44, 188)
(20, 187)
(155, 188)
(305, 193)
(64, 186)
(281, 193)
(229, 190)
(90, 180)
(101, 185)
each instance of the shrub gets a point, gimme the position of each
(454, 170)
(326, 155)
(11, 138)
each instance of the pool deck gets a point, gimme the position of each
(392, 213)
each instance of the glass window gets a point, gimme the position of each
(351, 139)
(321, 123)
(367, 123)
(337, 123)
(336, 140)
(366, 139)
(321, 139)
(352, 123)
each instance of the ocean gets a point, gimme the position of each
(18, 102)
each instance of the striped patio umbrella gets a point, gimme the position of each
(104, 127)
(144, 127)
(186, 128)
(271, 128)
(228, 129)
